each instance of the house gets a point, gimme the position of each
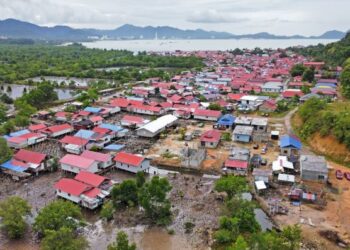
(313, 168)
(239, 153)
(103, 160)
(157, 126)
(262, 175)
(259, 124)
(133, 121)
(290, 146)
(286, 178)
(113, 130)
(80, 193)
(268, 106)
(243, 121)
(282, 164)
(249, 102)
(95, 180)
(242, 133)
(75, 164)
(62, 116)
(236, 166)
(35, 128)
(74, 144)
(58, 130)
(96, 120)
(146, 109)
(225, 122)
(25, 140)
(26, 161)
(207, 115)
(316, 65)
(272, 87)
(306, 97)
(210, 139)
(291, 93)
(131, 163)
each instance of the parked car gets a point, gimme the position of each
(339, 175)
(347, 175)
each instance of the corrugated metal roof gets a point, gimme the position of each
(160, 123)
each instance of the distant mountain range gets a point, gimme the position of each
(12, 28)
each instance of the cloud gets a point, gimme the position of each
(213, 16)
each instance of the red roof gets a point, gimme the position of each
(120, 102)
(101, 130)
(29, 156)
(77, 161)
(32, 135)
(236, 164)
(36, 127)
(94, 180)
(61, 114)
(92, 193)
(57, 128)
(292, 93)
(84, 113)
(74, 140)
(71, 186)
(146, 107)
(96, 156)
(96, 118)
(235, 97)
(206, 112)
(211, 136)
(132, 119)
(129, 159)
(16, 139)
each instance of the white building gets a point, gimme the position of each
(131, 163)
(155, 127)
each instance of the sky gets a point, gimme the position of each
(282, 17)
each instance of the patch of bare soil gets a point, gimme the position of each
(329, 146)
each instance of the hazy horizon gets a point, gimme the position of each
(280, 17)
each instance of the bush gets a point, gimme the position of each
(107, 211)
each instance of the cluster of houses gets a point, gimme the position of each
(247, 84)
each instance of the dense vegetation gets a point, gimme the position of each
(325, 118)
(238, 228)
(26, 61)
(334, 54)
(151, 196)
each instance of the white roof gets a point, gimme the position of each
(281, 163)
(275, 132)
(286, 178)
(260, 185)
(250, 97)
(160, 123)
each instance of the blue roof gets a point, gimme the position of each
(19, 133)
(112, 127)
(290, 141)
(227, 120)
(86, 134)
(114, 147)
(9, 165)
(92, 109)
(326, 84)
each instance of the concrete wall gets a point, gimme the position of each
(66, 196)
(205, 118)
(313, 176)
(241, 138)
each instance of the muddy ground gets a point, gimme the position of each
(192, 201)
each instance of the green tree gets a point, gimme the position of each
(292, 237)
(345, 80)
(240, 244)
(12, 211)
(56, 215)
(3, 116)
(121, 243)
(125, 194)
(214, 106)
(309, 75)
(107, 211)
(153, 198)
(232, 185)
(297, 70)
(140, 179)
(6, 152)
(63, 239)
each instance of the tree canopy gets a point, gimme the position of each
(63, 239)
(122, 243)
(12, 211)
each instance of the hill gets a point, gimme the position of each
(12, 28)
